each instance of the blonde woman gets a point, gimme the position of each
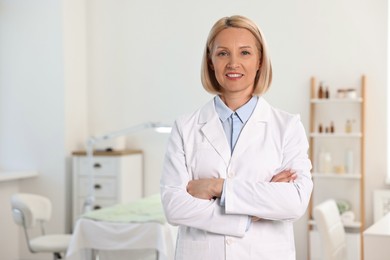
(236, 173)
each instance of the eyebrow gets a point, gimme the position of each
(241, 47)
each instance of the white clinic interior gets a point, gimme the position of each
(70, 69)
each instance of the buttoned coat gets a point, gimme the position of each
(270, 141)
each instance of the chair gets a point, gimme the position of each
(331, 230)
(381, 204)
(28, 210)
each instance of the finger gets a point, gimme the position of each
(255, 219)
(289, 178)
(279, 176)
(293, 177)
(282, 176)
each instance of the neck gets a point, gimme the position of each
(235, 102)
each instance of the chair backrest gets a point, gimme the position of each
(331, 230)
(29, 209)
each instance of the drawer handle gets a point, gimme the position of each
(98, 186)
(97, 165)
(97, 207)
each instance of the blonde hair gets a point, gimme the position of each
(264, 75)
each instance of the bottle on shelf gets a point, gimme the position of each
(325, 162)
(331, 127)
(327, 92)
(349, 161)
(328, 163)
(320, 128)
(348, 126)
(320, 91)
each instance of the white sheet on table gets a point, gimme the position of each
(121, 239)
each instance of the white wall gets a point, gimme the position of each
(75, 81)
(141, 62)
(31, 98)
(42, 105)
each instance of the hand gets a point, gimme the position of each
(255, 219)
(285, 176)
(205, 188)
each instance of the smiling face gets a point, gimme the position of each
(235, 60)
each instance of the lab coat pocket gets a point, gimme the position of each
(192, 250)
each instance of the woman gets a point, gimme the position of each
(236, 173)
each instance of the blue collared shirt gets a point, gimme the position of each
(225, 115)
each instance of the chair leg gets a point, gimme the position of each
(57, 256)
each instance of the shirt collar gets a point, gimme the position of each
(244, 112)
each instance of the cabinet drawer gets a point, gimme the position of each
(99, 203)
(104, 187)
(101, 166)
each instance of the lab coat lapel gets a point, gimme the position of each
(213, 131)
(255, 129)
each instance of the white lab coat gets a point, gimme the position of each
(271, 141)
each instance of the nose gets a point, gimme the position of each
(232, 66)
(233, 63)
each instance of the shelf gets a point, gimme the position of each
(17, 175)
(354, 224)
(336, 100)
(354, 176)
(337, 135)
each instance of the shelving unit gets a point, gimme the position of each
(341, 175)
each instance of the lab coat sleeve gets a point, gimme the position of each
(183, 209)
(276, 200)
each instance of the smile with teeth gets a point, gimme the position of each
(234, 75)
